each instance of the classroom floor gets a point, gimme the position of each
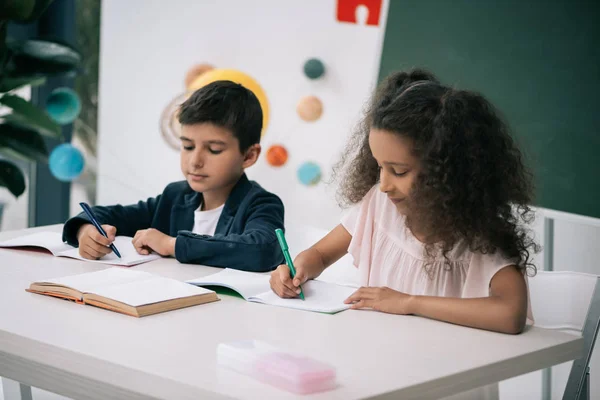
(37, 394)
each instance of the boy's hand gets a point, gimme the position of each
(147, 240)
(308, 266)
(92, 244)
(381, 299)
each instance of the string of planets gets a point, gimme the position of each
(309, 109)
(66, 161)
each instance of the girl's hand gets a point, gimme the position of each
(146, 240)
(381, 299)
(308, 265)
(282, 283)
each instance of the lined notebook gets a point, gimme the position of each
(134, 293)
(319, 296)
(52, 241)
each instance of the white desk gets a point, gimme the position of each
(85, 352)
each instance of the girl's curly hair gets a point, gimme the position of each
(472, 186)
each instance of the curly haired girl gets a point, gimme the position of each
(440, 199)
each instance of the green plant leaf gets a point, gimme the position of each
(22, 122)
(11, 154)
(23, 11)
(38, 10)
(9, 83)
(27, 143)
(37, 56)
(17, 10)
(27, 115)
(5, 54)
(11, 177)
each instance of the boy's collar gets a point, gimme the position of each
(239, 191)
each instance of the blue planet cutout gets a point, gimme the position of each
(66, 162)
(309, 173)
(63, 105)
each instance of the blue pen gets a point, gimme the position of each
(88, 211)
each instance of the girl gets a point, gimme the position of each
(440, 195)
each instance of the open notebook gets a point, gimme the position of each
(52, 241)
(130, 292)
(320, 296)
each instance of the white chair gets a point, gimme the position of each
(570, 302)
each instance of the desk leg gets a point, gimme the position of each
(14, 390)
(546, 383)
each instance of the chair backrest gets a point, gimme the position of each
(560, 300)
(569, 301)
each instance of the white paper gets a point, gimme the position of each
(91, 281)
(129, 256)
(149, 291)
(135, 288)
(51, 241)
(319, 296)
(247, 284)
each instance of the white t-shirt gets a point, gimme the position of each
(205, 222)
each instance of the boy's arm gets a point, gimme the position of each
(256, 249)
(127, 219)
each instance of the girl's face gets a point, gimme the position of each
(398, 167)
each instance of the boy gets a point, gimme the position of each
(216, 216)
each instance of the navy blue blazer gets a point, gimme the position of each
(244, 238)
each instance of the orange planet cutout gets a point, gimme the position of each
(195, 72)
(238, 77)
(310, 108)
(277, 155)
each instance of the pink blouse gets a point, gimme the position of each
(386, 253)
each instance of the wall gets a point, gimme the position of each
(536, 61)
(147, 47)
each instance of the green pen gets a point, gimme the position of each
(286, 254)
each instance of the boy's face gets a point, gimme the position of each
(398, 166)
(211, 159)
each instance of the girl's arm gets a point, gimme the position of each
(505, 310)
(311, 262)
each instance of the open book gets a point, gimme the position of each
(134, 293)
(52, 241)
(319, 296)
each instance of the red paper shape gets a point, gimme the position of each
(346, 10)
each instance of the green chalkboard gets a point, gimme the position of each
(537, 61)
